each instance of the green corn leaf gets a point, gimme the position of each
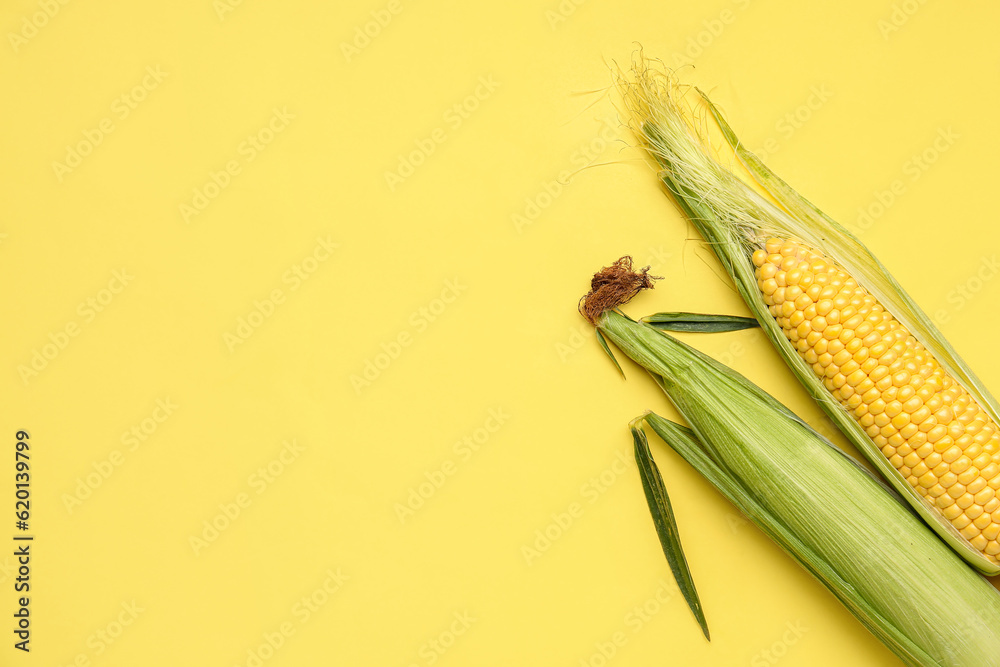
(699, 322)
(666, 526)
(607, 350)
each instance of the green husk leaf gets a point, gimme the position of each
(607, 350)
(783, 410)
(666, 525)
(699, 322)
(734, 219)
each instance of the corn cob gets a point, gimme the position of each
(925, 423)
(832, 516)
(865, 351)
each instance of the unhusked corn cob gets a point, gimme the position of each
(927, 425)
(887, 567)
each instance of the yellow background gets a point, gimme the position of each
(116, 578)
